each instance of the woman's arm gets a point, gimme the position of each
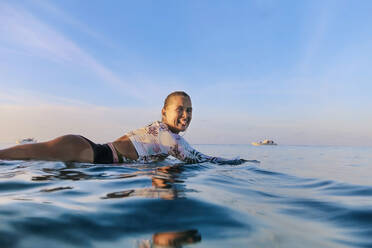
(184, 152)
(125, 147)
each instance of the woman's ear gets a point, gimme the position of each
(163, 112)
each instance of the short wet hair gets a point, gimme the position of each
(175, 93)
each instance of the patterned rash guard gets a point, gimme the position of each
(155, 142)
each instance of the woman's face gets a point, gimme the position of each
(177, 115)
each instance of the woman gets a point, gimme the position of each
(152, 143)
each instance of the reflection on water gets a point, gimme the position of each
(294, 192)
(163, 184)
(171, 239)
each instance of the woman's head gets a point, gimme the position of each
(177, 111)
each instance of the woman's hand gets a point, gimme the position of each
(237, 161)
(250, 161)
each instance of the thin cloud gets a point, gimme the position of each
(315, 30)
(56, 12)
(28, 34)
(32, 98)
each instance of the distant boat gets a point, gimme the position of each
(26, 141)
(264, 143)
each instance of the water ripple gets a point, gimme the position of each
(294, 192)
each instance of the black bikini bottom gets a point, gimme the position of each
(103, 154)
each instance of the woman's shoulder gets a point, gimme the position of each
(160, 128)
(163, 129)
(159, 125)
(156, 128)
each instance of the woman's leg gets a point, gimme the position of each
(66, 148)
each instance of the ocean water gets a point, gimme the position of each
(298, 196)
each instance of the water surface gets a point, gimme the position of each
(298, 196)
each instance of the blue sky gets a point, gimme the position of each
(297, 72)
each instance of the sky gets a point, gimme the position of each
(297, 72)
